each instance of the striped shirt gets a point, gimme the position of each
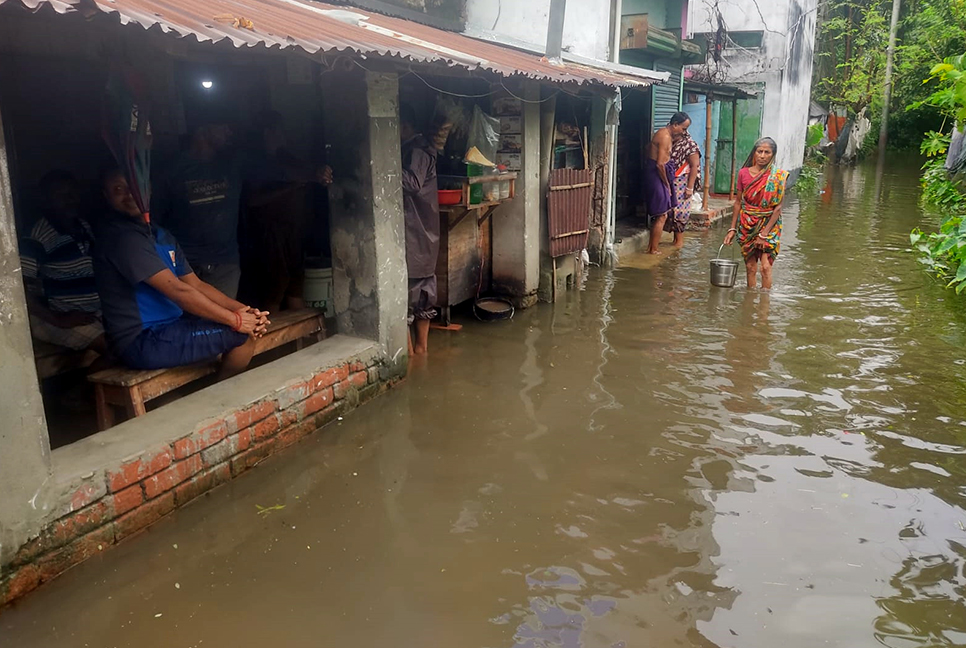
(58, 268)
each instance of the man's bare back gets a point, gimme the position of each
(659, 150)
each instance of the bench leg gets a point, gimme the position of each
(105, 415)
(134, 403)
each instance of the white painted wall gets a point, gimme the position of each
(587, 27)
(783, 64)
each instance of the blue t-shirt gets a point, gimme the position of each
(198, 201)
(128, 252)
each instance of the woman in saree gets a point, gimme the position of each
(686, 160)
(757, 217)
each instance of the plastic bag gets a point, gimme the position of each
(484, 134)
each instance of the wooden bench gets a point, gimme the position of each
(131, 389)
(53, 360)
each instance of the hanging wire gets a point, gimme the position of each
(529, 101)
(452, 94)
(429, 85)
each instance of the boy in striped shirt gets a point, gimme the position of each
(58, 271)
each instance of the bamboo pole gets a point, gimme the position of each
(707, 156)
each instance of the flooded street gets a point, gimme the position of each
(651, 463)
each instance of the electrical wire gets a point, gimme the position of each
(529, 101)
(452, 94)
(465, 96)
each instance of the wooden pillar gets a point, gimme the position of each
(707, 154)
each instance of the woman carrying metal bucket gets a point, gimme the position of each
(761, 189)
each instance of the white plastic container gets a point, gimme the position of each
(318, 290)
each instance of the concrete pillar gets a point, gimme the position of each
(24, 445)
(548, 115)
(516, 225)
(366, 209)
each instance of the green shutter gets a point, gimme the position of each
(666, 97)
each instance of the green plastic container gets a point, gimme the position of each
(474, 170)
(476, 194)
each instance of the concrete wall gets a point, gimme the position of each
(24, 447)
(587, 26)
(782, 66)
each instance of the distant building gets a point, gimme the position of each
(763, 47)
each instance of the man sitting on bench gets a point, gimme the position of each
(58, 272)
(158, 314)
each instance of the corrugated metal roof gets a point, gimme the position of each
(318, 27)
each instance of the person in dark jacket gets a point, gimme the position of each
(198, 198)
(421, 208)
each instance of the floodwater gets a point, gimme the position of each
(650, 463)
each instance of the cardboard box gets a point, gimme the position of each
(511, 124)
(512, 161)
(511, 142)
(507, 106)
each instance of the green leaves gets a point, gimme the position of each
(943, 252)
(814, 135)
(935, 144)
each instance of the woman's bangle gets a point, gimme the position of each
(762, 235)
(238, 321)
(732, 230)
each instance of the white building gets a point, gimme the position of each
(764, 45)
(590, 26)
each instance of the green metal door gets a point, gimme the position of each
(749, 130)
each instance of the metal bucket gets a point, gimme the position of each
(724, 271)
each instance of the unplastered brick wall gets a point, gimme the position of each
(122, 500)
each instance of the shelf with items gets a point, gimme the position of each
(474, 196)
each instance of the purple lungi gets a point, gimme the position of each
(658, 198)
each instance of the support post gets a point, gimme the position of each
(366, 208)
(707, 154)
(734, 146)
(516, 223)
(24, 445)
(555, 27)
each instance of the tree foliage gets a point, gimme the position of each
(850, 56)
(944, 252)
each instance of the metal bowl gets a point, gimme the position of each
(490, 309)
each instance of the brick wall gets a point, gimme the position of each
(122, 500)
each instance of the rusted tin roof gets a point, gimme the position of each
(316, 27)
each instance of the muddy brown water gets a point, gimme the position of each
(650, 463)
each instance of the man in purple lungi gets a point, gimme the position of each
(658, 174)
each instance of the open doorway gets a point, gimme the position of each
(633, 137)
